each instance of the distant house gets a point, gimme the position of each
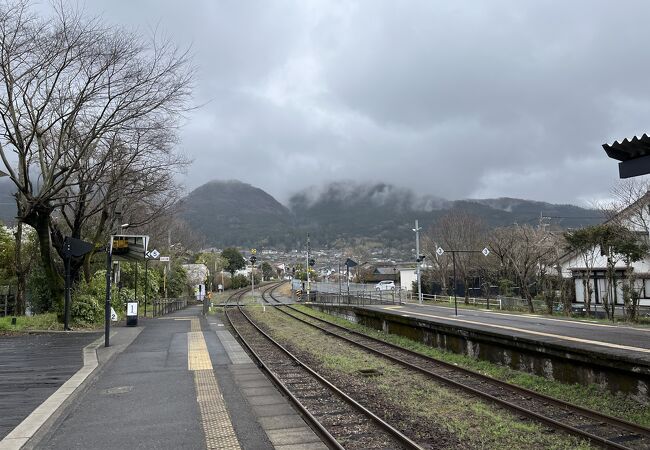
(406, 278)
(385, 273)
(575, 265)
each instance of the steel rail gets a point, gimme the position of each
(324, 435)
(613, 421)
(403, 439)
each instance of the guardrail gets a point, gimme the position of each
(499, 302)
(168, 305)
(368, 294)
(358, 298)
(475, 301)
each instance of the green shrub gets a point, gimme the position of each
(176, 282)
(239, 281)
(87, 306)
(86, 310)
(38, 294)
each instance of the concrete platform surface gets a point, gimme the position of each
(182, 381)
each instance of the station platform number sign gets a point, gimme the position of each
(132, 309)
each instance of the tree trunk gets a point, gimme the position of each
(529, 298)
(21, 274)
(587, 298)
(549, 295)
(40, 221)
(566, 306)
(608, 301)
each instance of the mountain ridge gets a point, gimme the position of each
(344, 212)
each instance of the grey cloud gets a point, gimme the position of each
(500, 98)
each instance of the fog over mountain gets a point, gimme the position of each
(339, 213)
(376, 194)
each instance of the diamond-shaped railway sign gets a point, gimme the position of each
(485, 251)
(439, 251)
(153, 254)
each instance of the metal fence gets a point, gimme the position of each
(164, 306)
(7, 301)
(368, 291)
(500, 302)
(359, 293)
(356, 297)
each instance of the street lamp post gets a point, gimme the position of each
(107, 303)
(146, 283)
(339, 280)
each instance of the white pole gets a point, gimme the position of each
(308, 286)
(417, 251)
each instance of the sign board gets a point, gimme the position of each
(129, 247)
(153, 254)
(113, 315)
(485, 251)
(439, 251)
(164, 259)
(132, 309)
(76, 247)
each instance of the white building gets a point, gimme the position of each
(406, 279)
(635, 217)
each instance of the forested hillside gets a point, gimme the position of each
(235, 213)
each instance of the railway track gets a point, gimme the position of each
(602, 430)
(340, 421)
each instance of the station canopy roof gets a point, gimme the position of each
(633, 154)
(629, 148)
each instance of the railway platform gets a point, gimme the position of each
(181, 381)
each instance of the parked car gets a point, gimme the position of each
(385, 285)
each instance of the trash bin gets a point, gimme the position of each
(132, 314)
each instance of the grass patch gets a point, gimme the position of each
(591, 396)
(38, 322)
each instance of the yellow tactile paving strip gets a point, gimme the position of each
(198, 357)
(219, 433)
(195, 324)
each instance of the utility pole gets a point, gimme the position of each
(418, 259)
(307, 265)
(339, 277)
(167, 270)
(253, 259)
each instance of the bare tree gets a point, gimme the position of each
(501, 243)
(69, 85)
(134, 178)
(630, 205)
(531, 248)
(440, 265)
(458, 230)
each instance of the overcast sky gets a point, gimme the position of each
(455, 99)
